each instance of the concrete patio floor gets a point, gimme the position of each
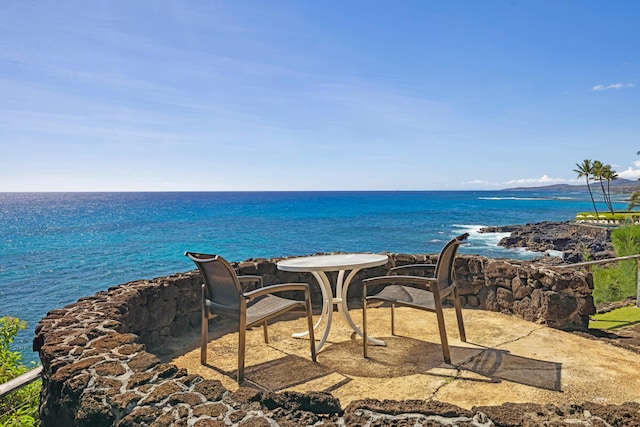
(506, 359)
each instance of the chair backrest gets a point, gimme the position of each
(222, 284)
(444, 267)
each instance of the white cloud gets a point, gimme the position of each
(600, 88)
(544, 179)
(632, 172)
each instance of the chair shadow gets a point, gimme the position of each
(503, 365)
(289, 371)
(404, 356)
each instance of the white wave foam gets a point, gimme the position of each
(475, 234)
(490, 240)
(558, 254)
(528, 198)
(514, 198)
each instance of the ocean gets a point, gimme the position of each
(58, 247)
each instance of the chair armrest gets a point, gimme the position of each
(220, 307)
(250, 279)
(275, 288)
(412, 267)
(418, 282)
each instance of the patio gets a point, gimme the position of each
(506, 359)
(98, 372)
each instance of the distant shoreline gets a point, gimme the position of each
(619, 186)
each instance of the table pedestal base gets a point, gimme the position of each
(342, 286)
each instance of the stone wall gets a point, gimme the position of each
(101, 356)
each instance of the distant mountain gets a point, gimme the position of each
(617, 186)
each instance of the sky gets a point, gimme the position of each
(195, 95)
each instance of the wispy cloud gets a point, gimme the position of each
(600, 88)
(480, 182)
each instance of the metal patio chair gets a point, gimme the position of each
(419, 292)
(222, 295)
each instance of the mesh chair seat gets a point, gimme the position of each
(407, 296)
(269, 306)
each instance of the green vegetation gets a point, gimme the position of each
(615, 283)
(616, 319)
(19, 408)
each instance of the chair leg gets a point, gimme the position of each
(364, 322)
(265, 333)
(242, 339)
(456, 303)
(393, 320)
(443, 332)
(204, 332)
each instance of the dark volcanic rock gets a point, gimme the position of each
(578, 242)
(434, 413)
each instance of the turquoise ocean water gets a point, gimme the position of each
(58, 247)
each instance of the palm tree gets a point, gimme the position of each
(586, 169)
(610, 175)
(634, 201)
(601, 173)
(598, 174)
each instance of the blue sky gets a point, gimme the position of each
(315, 95)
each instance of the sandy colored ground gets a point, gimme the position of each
(506, 359)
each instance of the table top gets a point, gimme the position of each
(332, 262)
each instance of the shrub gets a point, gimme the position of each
(626, 240)
(615, 283)
(19, 408)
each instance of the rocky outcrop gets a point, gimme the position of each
(578, 242)
(102, 356)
